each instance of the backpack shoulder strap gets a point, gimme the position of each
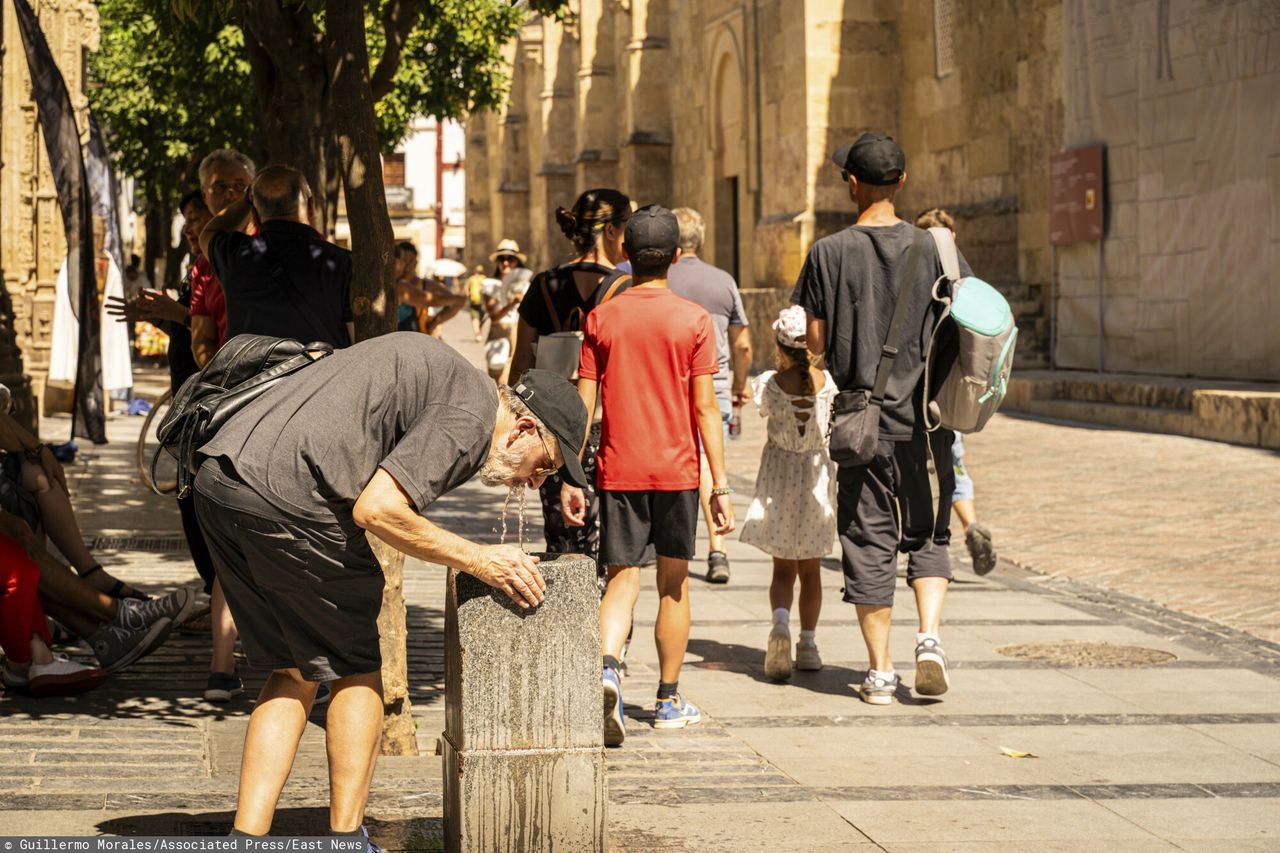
(947, 254)
(893, 338)
(543, 282)
(619, 283)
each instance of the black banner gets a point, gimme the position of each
(62, 141)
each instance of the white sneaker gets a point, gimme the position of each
(777, 657)
(63, 677)
(807, 657)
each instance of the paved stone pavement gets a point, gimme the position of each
(1185, 755)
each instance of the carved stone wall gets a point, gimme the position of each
(31, 235)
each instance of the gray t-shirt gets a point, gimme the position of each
(851, 280)
(404, 402)
(715, 290)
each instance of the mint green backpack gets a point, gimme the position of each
(982, 321)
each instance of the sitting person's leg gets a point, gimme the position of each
(24, 634)
(59, 522)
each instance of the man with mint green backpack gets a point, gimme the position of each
(867, 291)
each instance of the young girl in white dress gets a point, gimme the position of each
(793, 515)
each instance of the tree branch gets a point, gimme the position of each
(398, 20)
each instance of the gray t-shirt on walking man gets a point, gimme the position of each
(404, 402)
(717, 292)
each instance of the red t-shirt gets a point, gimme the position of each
(644, 347)
(207, 298)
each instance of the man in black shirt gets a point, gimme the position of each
(849, 287)
(286, 280)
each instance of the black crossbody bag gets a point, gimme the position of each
(855, 414)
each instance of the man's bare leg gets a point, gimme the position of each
(222, 629)
(275, 727)
(353, 730)
(930, 595)
(874, 620)
(671, 631)
(616, 608)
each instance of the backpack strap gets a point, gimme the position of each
(618, 283)
(947, 253)
(893, 338)
(543, 279)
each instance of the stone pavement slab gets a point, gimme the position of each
(1179, 756)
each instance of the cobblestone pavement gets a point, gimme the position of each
(1184, 755)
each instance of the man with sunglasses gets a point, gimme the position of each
(363, 440)
(285, 280)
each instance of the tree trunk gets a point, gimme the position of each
(287, 61)
(373, 303)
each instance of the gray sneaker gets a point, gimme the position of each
(717, 567)
(177, 608)
(116, 646)
(931, 668)
(879, 690)
(982, 550)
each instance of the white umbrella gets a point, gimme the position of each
(448, 268)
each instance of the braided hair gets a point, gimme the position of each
(797, 356)
(593, 210)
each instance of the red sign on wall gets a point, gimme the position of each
(1076, 196)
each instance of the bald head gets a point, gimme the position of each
(281, 192)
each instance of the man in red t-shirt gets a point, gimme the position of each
(652, 357)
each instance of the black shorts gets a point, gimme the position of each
(304, 594)
(636, 526)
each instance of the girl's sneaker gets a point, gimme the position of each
(777, 656)
(615, 728)
(675, 713)
(807, 657)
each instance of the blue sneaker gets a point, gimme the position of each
(675, 713)
(615, 730)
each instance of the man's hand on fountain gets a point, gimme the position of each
(573, 505)
(508, 568)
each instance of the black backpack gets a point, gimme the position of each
(241, 371)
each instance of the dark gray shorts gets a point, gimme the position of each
(868, 501)
(636, 526)
(305, 594)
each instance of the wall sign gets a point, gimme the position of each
(1076, 196)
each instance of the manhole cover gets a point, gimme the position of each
(1079, 653)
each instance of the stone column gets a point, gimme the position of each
(523, 744)
(644, 159)
(598, 104)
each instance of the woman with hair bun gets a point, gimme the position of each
(552, 316)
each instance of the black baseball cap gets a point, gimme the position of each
(651, 239)
(554, 401)
(873, 158)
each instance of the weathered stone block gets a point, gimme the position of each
(523, 745)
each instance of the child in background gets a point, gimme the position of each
(977, 536)
(793, 515)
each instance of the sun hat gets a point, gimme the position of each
(508, 247)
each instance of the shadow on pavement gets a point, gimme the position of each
(402, 834)
(831, 680)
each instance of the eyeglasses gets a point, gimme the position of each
(546, 472)
(223, 187)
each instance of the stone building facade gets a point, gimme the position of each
(734, 106)
(32, 244)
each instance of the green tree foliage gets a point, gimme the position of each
(168, 91)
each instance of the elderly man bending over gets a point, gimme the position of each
(365, 439)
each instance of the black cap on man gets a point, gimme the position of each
(651, 239)
(873, 158)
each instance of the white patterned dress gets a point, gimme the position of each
(793, 514)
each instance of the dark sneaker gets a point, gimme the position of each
(931, 668)
(13, 680)
(615, 729)
(777, 656)
(222, 687)
(63, 677)
(717, 567)
(177, 608)
(981, 549)
(323, 694)
(675, 713)
(879, 690)
(116, 646)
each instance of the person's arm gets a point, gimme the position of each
(815, 333)
(711, 428)
(234, 218)
(740, 359)
(351, 330)
(384, 510)
(204, 338)
(523, 358)
(573, 503)
(410, 295)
